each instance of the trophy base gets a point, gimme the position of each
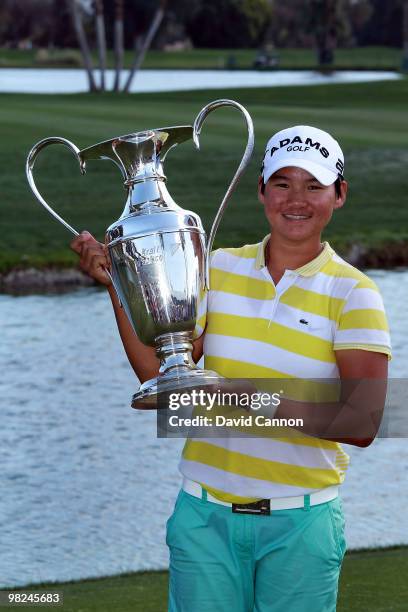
(148, 396)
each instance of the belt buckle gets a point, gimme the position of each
(262, 506)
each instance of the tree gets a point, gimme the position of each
(103, 17)
(137, 18)
(384, 25)
(328, 21)
(405, 35)
(359, 13)
(28, 20)
(229, 23)
(101, 40)
(322, 21)
(118, 42)
(59, 35)
(83, 43)
(140, 53)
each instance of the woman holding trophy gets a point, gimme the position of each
(258, 524)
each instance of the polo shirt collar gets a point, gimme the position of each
(309, 269)
(260, 256)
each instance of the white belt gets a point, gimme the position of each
(276, 503)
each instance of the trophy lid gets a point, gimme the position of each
(135, 152)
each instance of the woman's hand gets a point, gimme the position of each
(94, 257)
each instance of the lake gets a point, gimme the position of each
(73, 80)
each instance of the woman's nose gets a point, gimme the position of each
(296, 196)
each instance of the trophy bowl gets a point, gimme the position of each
(158, 251)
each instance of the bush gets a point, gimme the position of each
(58, 58)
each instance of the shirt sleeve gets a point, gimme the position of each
(362, 323)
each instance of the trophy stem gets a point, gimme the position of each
(174, 351)
(177, 372)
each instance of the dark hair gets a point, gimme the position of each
(337, 185)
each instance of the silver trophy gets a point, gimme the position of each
(158, 252)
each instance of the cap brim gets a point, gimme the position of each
(324, 176)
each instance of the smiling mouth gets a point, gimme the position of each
(296, 217)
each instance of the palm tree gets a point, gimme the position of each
(83, 43)
(118, 42)
(101, 40)
(140, 54)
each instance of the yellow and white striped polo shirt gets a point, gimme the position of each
(292, 330)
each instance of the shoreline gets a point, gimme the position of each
(52, 279)
(277, 69)
(21, 280)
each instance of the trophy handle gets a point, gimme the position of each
(30, 166)
(241, 168)
(29, 173)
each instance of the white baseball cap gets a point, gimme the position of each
(305, 147)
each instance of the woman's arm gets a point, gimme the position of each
(141, 357)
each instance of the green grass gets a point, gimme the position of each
(369, 120)
(362, 57)
(370, 580)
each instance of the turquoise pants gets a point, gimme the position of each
(288, 561)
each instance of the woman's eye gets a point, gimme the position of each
(314, 187)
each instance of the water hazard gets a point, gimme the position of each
(86, 485)
(74, 80)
